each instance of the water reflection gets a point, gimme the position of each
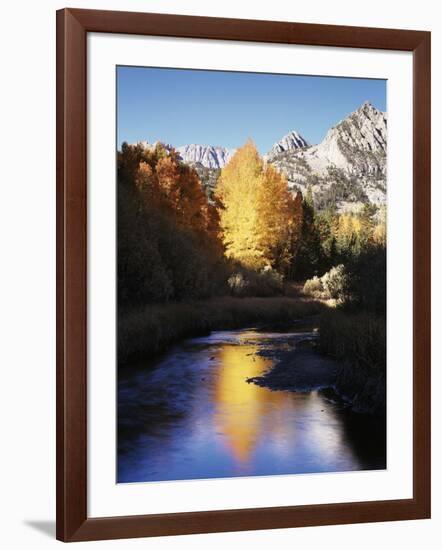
(193, 415)
(242, 408)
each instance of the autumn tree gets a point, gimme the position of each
(259, 214)
(348, 231)
(169, 245)
(380, 229)
(354, 232)
(275, 220)
(237, 190)
(183, 194)
(146, 184)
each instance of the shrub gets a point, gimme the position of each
(266, 282)
(270, 282)
(332, 285)
(314, 287)
(334, 282)
(238, 284)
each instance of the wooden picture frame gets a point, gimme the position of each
(73, 523)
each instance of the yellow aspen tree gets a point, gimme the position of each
(237, 190)
(380, 229)
(259, 218)
(274, 220)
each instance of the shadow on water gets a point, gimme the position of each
(368, 438)
(367, 434)
(191, 415)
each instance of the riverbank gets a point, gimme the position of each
(358, 342)
(344, 357)
(150, 330)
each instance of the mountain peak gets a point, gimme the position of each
(357, 144)
(291, 141)
(365, 128)
(368, 109)
(210, 156)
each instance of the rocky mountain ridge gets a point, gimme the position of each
(348, 168)
(208, 156)
(289, 142)
(344, 171)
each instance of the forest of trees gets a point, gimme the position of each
(193, 259)
(251, 237)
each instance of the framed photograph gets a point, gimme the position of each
(243, 274)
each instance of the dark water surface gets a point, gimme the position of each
(192, 415)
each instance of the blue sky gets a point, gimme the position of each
(180, 107)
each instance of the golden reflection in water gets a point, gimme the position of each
(241, 408)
